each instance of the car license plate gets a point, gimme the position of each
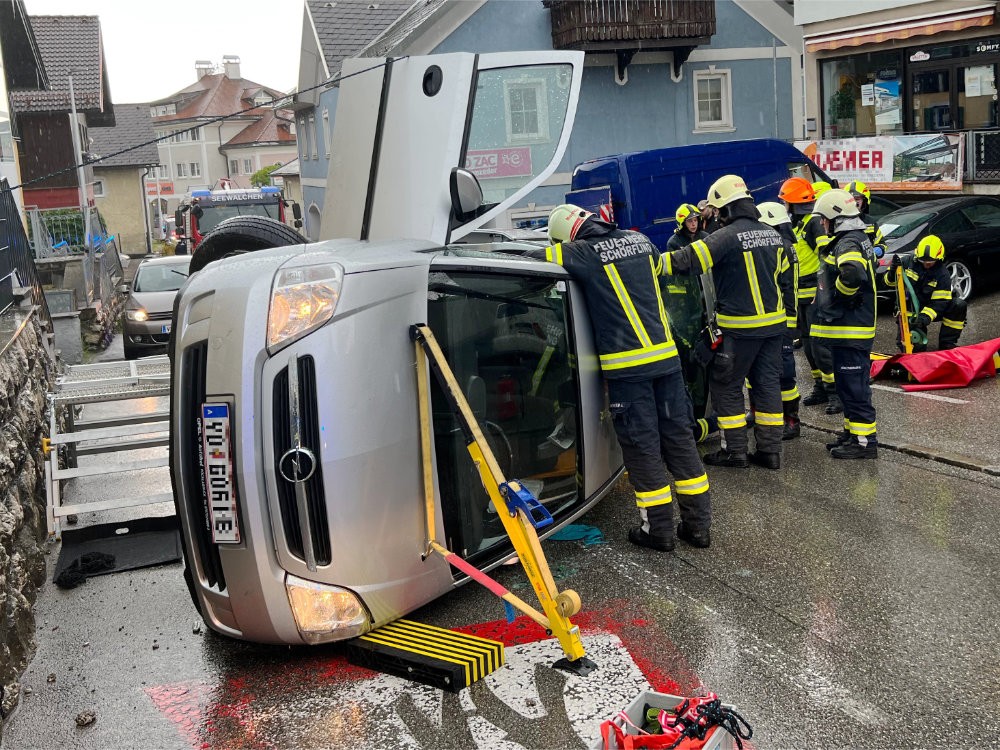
(165, 328)
(218, 464)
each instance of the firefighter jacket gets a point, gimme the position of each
(845, 296)
(808, 232)
(789, 292)
(874, 234)
(750, 268)
(618, 272)
(931, 285)
(683, 238)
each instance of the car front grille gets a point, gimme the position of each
(160, 315)
(307, 425)
(191, 392)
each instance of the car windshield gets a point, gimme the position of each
(903, 221)
(212, 216)
(160, 278)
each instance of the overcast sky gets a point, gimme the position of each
(150, 48)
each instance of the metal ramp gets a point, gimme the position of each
(101, 383)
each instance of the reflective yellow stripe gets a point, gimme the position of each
(842, 332)
(734, 422)
(929, 312)
(648, 499)
(861, 428)
(636, 357)
(791, 321)
(659, 299)
(675, 289)
(703, 430)
(816, 374)
(553, 254)
(826, 377)
(847, 424)
(666, 265)
(704, 255)
(959, 324)
(750, 321)
(785, 265)
(766, 419)
(844, 289)
(852, 256)
(758, 303)
(693, 486)
(626, 302)
(807, 292)
(911, 273)
(791, 394)
(941, 294)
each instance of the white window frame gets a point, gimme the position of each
(99, 188)
(541, 100)
(724, 75)
(248, 166)
(234, 166)
(327, 133)
(180, 169)
(313, 140)
(195, 169)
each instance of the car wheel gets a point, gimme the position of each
(961, 279)
(243, 234)
(131, 352)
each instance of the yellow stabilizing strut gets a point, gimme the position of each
(557, 606)
(904, 316)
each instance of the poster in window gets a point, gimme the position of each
(888, 112)
(868, 95)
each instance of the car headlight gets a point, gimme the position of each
(325, 613)
(302, 299)
(138, 314)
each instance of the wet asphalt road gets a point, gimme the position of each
(844, 605)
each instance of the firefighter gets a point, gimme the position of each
(931, 285)
(845, 319)
(688, 227)
(750, 269)
(775, 215)
(709, 217)
(863, 197)
(650, 406)
(798, 196)
(820, 187)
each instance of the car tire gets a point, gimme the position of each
(962, 284)
(131, 352)
(243, 234)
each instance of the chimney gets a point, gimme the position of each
(232, 65)
(203, 68)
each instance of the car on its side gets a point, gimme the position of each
(969, 227)
(146, 324)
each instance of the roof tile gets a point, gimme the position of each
(345, 27)
(133, 126)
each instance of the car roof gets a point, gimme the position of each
(941, 204)
(167, 260)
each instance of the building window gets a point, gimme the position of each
(327, 132)
(163, 109)
(713, 100)
(247, 166)
(262, 98)
(313, 145)
(196, 134)
(527, 116)
(234, 166)
(181, 169)
(98, 188)
(861, 94)
(195, 169)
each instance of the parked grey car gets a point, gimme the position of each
(146, 323)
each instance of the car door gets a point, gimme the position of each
(957, 232)
(983, 251)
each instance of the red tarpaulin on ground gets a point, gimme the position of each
(954, 368)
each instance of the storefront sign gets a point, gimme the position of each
(908, 162)
(499, 162)
(919, 57)
(987, 46)
(165, 188)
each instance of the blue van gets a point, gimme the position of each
(645, 188)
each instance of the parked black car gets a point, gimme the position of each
(969, 227)
(881, 206)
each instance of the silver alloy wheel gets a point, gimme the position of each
(961, 279)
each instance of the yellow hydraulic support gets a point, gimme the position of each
(904, 316)
(557, 606)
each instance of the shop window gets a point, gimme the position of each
(861, 95)
(713, 100)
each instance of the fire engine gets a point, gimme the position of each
(203, 210)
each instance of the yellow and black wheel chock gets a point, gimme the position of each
(516, 506)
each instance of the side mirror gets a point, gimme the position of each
(179, 219)
(298, 223)
(197, 211)
(124, 288)
(466, 193)
(296, 212)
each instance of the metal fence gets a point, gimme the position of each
(17, 263)
(983, 156)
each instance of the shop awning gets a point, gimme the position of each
(926, 25)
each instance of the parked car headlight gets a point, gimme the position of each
(325, 613)
(302, 299)
(137, 314)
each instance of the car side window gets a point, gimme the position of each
(983, 215)
(953, 223)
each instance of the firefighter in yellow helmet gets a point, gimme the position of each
(845, 319)
(863, 197)
(820, 187)
(650, 406)
(927, 275)
(751, 272)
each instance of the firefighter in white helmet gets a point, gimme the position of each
(649, 403)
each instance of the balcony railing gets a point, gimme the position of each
(617, 24)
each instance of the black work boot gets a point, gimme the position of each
(701, 539)
(723, 457)
(652, 541)
(818, 395)
(842, 438)
(767, 460)
(833, 405)
(854, 449)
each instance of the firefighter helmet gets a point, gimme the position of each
(726, 190)
(773, 214)
(929, 248)
(684, 212)
(857, 188)
(565, 221)
(820, 187)
(835, 203)
(796, 190)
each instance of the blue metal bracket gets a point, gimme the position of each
(519, 497)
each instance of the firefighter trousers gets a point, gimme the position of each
(654, 422)
(817, 352)
(789, 388)
(953, 321)
(852, 367)
(757, 360)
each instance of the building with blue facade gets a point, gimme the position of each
(726, 70)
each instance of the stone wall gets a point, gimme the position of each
(25, 375)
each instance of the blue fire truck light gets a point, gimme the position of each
(270, 190)
(201, 193)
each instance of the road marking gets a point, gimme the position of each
(919, 394)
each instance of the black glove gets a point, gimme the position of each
(920, 322)
(896, 261)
